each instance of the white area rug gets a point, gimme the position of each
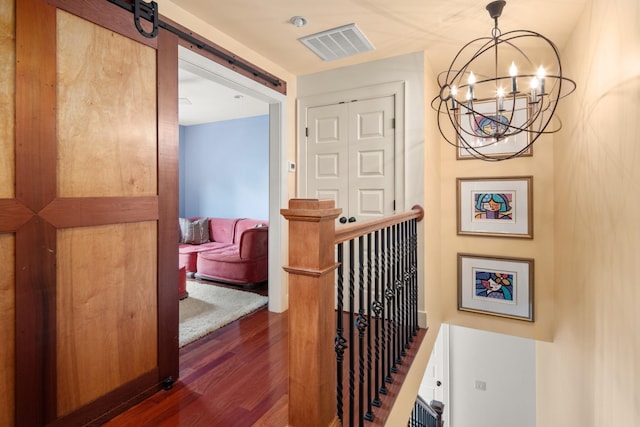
(210, 307)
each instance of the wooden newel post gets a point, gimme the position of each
(312, 360)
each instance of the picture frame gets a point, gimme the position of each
(496, 285)
(497, 207)
(487, 107)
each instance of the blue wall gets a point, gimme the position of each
(224, 169)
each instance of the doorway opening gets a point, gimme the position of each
(260, 100)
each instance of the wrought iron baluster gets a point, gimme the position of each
(352, 281)
(388, 298)
(402, 293)
(384, 244)
(406, 300)
(397, 288)
(377, 308)
(361, 325)
(412, 283)
(369, 416)
(339, 342)
(391, 297)
(414, 274)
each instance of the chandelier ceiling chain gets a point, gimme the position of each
(497, 120)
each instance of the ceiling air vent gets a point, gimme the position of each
(338, 42)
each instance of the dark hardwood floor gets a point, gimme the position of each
(236, 377)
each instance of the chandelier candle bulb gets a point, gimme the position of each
(534, 88)
(513, 72)
(500, 99)
(453, 93)
(541, 74)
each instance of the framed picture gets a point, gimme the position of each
(499, 207)
(476, 127)
(496, 285)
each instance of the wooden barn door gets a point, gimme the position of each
(89, 212)
(12, 214)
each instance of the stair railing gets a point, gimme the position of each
(426, 414)
(380, 307)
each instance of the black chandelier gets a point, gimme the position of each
(497, 99)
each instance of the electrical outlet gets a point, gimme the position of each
(481, 385)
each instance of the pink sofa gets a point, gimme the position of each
(234, 251)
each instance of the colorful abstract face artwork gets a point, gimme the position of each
(493, 206)
(491, 284)
(488, 126)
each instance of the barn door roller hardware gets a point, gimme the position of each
(151, 13)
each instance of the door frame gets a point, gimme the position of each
(396, 89)
(440, 356)
(207, 68)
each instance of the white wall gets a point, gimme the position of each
(506, 364)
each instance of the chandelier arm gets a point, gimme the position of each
(440, 129)
(462, 70)
(513, 111)
(515, 34)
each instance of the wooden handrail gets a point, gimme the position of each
(351, 231)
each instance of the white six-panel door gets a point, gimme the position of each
(350, 156)
(371, 163)
(328, 154)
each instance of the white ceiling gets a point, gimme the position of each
(394, 27)
(204, 101)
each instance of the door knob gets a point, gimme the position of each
(352, 219)
(438, 383)
(343, 219)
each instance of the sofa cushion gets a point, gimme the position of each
(222, 229)
(192, 249)
(254, 243)
(246, 224)
(188, 254)
(225, 265)
(194, 231)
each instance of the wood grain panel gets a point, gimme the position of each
(104, 408)
(107, 291)
(7, 328)
(106, 102)
(35, 265)
(7, 98)
(81, 212)
(13, 214)
(35, 110)
(168, 201)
